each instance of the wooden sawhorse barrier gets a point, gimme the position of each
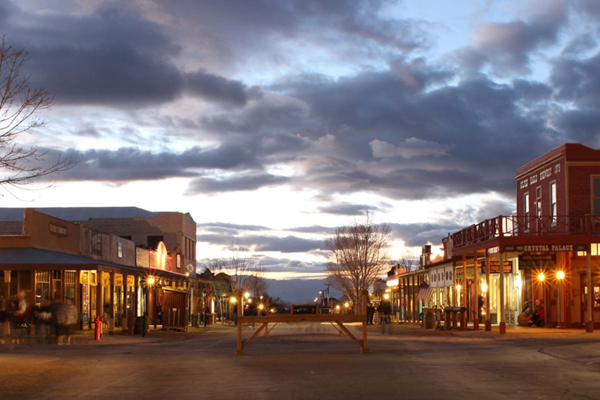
(274, 319)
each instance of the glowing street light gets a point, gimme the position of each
(541, 277)
(560, 275)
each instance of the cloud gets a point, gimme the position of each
(132, 163)
(348, 209)
(224, 226)
(240, 182)
(412, 147)
(216, 88)
(509, 46)
(287, 244)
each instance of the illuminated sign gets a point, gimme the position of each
(546, 248)
(495, 267)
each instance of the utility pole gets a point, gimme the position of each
(328, 304)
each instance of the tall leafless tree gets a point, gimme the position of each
(360, 257)
(19, 104)
(257, 284)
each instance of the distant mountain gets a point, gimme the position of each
(299, 291)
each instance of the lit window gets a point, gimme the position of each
(119, 249)
(526, 210)
(553, 205)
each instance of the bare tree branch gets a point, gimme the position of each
(360, 253)
(18, 105)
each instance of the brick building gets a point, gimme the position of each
(547, 251)
(88, 256)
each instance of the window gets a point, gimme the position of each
(42, 287)
(526, 210)
(595, 250)
(596, 196)
(119, 249)
(553, 205)
(153, 241)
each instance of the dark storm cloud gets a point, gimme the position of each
(260, 243)
(247, 28)
(578, 80)
(348, 209)
(216, 88)
(412, 128)
(508, 46)
(131, 163)
(583, 125)
(313, 229)
(230, 228)
(288, 244)
(114, 57)
(240, 182)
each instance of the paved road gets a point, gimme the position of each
(304, 361)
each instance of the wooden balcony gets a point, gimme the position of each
(492, 231)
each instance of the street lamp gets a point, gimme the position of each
(233, 300)
(541, 277)
(560, 276)
(149, 283)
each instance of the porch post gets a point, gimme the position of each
(488, 316)
(111, 308)
(590, 289)
(99, 299)
(475, 301)
(6, 324)
(464, 317)
(501, 308)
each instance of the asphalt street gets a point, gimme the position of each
(309, 361)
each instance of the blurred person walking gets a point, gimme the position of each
(66, 318)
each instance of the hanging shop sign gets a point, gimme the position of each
(495, 267)
(546, 248)
(535, 261)
(459, 274)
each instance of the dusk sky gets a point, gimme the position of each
(273, 122)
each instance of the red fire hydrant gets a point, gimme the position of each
(98, 332)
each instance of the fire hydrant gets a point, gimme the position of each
(98, 332)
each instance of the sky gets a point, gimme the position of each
(274, 122)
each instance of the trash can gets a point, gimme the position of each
(429, 320)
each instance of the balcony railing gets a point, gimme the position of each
(519, 225)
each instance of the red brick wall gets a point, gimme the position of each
(580, 194)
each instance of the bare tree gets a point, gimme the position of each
(237, 266)
(360, 253)
(256, 282)
(18, 105)
(408, 262)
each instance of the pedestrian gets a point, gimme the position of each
(370, 314)
(67, 317)
(42, 317)
(19, 317)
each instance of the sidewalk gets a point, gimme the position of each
(87, 337)
(512, 332)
